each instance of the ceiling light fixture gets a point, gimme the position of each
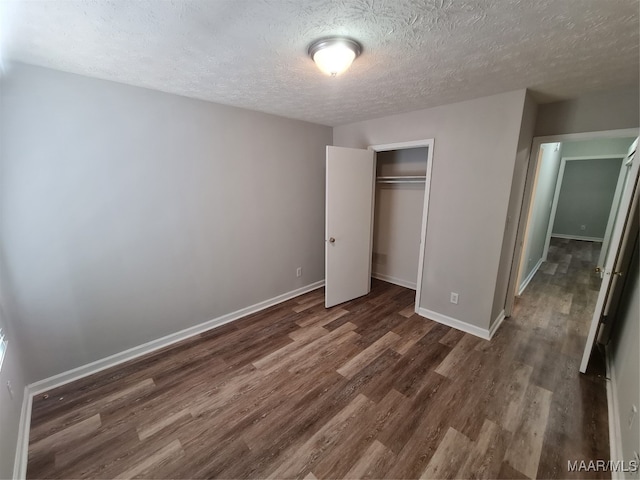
(334, 55)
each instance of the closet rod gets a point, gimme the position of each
(402, 179)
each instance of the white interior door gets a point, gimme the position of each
(615, 258)
(349, 220)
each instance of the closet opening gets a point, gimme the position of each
(401, 200)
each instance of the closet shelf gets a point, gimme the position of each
(402, 179)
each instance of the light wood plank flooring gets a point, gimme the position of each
(363, 390)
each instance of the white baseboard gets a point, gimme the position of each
(455, 323)
(615, 436)
(495, 325)
(394, 280)
(578, 237)
(22, 447)
(530, 276)
(22, 450)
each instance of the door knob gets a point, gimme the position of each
(332, 240)
(598, 269)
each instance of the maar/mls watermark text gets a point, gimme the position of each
(602, 466)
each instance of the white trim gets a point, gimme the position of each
(371, 222)
(554, 208)
(624, 170)
(385, 147)
(135, 352)
(524, 222)
(429, 144)
(455, 323)
(495, 325)
(570, 137)
(22, 448)
(526, 281)
(522, 237)
(578, 237)
(394, 280)
(615, 436)
(619, 156)
(3, 347)
(423, 231)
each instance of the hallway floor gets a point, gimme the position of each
(552, 320)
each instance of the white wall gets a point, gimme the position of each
(540, 211)
(626, 361)
(596, 112)
(129, 214)
(473, 164)
(398, 217)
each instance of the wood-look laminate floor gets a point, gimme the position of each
(363, 390)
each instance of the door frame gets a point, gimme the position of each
(428, 143)
(527, 198)
(612, 214)
(520, 286)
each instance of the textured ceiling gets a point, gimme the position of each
(252, 53)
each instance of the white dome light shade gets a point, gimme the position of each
(334, 55)
(335, 59)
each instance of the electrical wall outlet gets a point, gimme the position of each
(299, 272)
(454, 298)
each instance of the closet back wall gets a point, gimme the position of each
(129, 214)
(398, 217)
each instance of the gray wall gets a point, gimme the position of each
(515, 205)
(398, 216)
(408, 161)
(130, 214)
(540, 212)
(473, 164)
(626, 361)
(590, 113)
(586, 195)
